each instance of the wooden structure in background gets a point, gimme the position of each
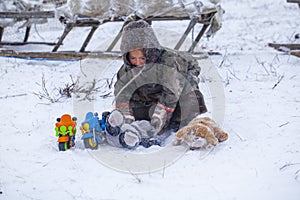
(204, 19)
(23, 16)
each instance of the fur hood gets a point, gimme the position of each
(140, 35)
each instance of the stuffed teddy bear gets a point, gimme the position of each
(200, 132)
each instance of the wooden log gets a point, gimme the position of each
(86, 22)
(28, 14)
(279, 46)
(83, 22)
(26, 43)
(293, 1)
(58, 3)
(295, 53)
(65, 55)
(72, 55)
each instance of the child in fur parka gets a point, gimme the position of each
(155, 83)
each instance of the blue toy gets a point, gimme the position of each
(92, 129)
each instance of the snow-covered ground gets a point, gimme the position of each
(260, 160)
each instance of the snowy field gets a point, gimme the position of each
(260, 160)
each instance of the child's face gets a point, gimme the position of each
(137, 58)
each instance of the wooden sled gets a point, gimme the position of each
(204, 19)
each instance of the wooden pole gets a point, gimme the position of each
(200, 34)
(64, 35)
(191, 25)
(1, 32)
(117, 38)
(28, 14)
(87, 40)
(27, 32)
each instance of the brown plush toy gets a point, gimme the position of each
(200, 132)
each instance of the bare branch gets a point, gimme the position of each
(163, 174)
(135, 176)
(262, 64)
(88, 89)
(297, 174)
(288, 165)
(284, 124)
(111, 81)
(227, 81)
(45, 94)
(233, 74)
(223, 60)
(106, 95)
(275, 59)
(12, 96)
(279, 80)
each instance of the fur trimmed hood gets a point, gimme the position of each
(140, 35)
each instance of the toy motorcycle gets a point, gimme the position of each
(92, 129)
(65, 130)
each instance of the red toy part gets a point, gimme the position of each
(63, 138)
(66, 121)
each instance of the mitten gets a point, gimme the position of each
(120, 133)
(124, 108)
(114, 122)
(161, 117)
(130, 136)
(144, 127)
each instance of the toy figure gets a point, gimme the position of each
(65, 129)
(92, 129)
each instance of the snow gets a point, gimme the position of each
(260, 160)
